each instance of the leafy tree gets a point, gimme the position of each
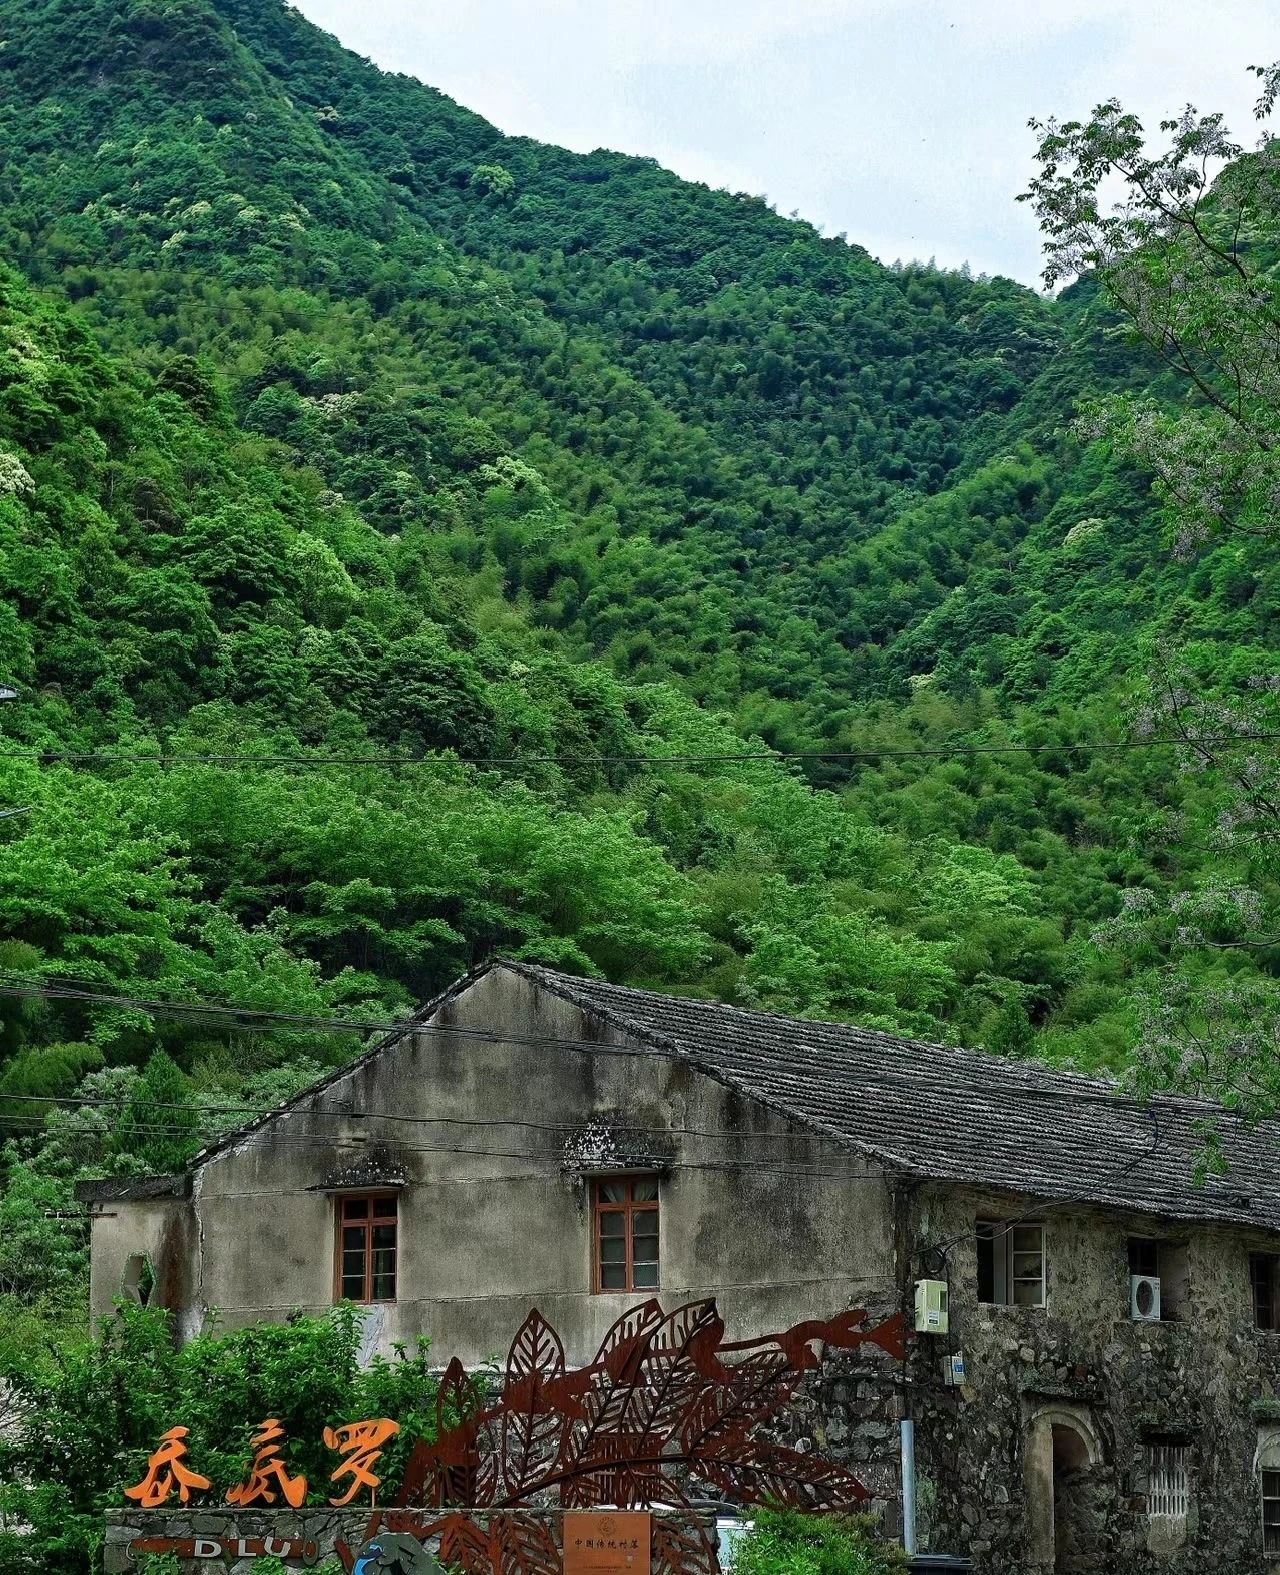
(1190, 261)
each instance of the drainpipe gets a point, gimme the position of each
(908, 1485)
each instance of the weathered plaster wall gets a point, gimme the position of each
(778, 1225)
(985, 1452)
(162, 1230)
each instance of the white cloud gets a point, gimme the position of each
(903, 124)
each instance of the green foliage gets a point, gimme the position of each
(788, 1542)
(82, 1431)
(338, 430)
(159, 1127)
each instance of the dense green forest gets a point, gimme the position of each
(399, 525)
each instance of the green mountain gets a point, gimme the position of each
(335, 425)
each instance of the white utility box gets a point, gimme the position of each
(931, 1307)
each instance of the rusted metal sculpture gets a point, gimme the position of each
(667, 1404)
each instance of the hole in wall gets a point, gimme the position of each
(139, 1282)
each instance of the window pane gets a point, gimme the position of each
(1026, 1265)
(1271, 1484)
(645, 1249)
(353, 1238)
(1027, 1238)
(613, 1249)
(1027, 1294)
(613, 1192)
(384, 1282)
(645, 1276)
(644, 1188)
(613, 1224)
(384, 1208)
(1144, 1256)
(986, 1262)
(355, 1208)
(1262, 1268)
(384, 1236)
(613, 1276)
(353, 1287)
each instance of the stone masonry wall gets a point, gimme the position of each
(1110, 1386)
(225, 1542)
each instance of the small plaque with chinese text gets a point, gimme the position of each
(606, 1542)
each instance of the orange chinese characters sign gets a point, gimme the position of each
(361, 1443)
(268, 1467)
(611, 1543)
(165, 1470)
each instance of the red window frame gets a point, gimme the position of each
(626, 1207)
(360, 1215)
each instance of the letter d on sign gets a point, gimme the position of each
(206, 1548)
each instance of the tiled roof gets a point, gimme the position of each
(960, 1115)
(927, 1110)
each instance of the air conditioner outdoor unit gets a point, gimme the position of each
(1144, 1298)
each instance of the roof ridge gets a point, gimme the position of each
(1032, 1071)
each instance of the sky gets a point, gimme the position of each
(902, 123)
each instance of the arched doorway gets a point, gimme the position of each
(1072, 1494)
(1065, 1493)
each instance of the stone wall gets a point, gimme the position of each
(1081, 1387)
(225, 1542)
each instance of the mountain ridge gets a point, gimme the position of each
(412, 438)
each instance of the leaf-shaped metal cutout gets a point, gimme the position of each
(665, 1398)
(762, 1473)
(532, 1428)
(681, 1550)
(524, 1545)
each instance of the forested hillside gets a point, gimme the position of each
(383, 501)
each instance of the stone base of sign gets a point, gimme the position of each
(231, 1542)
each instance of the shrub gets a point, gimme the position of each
(81, 1429)
(790, 1542)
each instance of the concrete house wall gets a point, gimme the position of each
(776, 1223)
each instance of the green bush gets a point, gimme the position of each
(789, 1542)
(81, 1428)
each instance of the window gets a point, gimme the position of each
(1144, 1257)
(367, 1248)
(1271, 1511)
(1167, 1481)
(626, 1234)
(1011, 1263)
(1263, 1277)
(1165, 1261)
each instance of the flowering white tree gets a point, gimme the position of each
(1190, 255)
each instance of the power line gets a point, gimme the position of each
(835, 756)
(553, 1156)
(562, 1128)
(913, 1080)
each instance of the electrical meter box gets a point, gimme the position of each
(931, 1307)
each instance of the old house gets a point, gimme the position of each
(1101, 1393)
